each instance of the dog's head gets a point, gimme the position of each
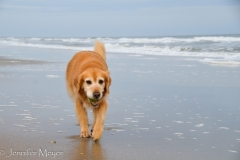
(92, 86)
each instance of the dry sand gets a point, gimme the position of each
(159, 108)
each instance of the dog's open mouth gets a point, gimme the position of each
(93, 102)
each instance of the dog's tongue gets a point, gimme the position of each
(94, 103)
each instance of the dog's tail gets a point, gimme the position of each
(100, 49)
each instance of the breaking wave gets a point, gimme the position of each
(199, 46)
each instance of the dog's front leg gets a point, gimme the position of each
(99, 116)
(82, 118)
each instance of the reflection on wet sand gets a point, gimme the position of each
(85, 148)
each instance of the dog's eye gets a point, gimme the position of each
(88, 82)
(100, 81)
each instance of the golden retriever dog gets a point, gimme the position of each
(88, 81)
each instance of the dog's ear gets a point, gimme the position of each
(78, 83)
(108, 82)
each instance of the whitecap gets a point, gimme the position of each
(225, 47)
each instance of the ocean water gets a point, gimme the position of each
(223, 49)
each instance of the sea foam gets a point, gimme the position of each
(225, 47)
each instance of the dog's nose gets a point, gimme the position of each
(96, 95)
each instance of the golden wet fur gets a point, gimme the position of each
(88, 81)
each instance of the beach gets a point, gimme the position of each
(160, 107)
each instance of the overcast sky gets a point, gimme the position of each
(110, 18)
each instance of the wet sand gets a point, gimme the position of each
(159, 108)
(9, 62)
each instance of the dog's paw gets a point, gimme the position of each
(85, 134)
(96, 134)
